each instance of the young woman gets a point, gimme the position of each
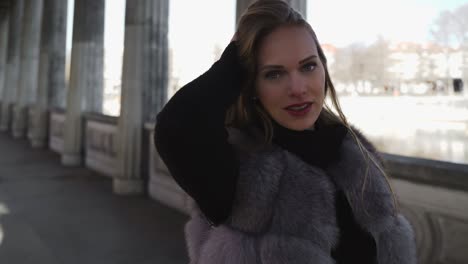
(276, 175)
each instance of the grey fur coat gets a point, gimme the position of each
(284, 211)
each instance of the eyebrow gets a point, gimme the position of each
(308, 58)
(264, 67)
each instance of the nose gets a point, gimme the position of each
(297, 85)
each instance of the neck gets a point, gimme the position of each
(317, 145)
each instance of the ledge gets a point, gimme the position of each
(150, 126)
(107, 119)
(431, 172)
(57, 110)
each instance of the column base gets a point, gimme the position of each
(19, 124)
(127, 186)
(5, 118)
(71, 160)
(37, 143)
(37, 130)
(18, 134)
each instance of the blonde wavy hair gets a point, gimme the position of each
(260, 19)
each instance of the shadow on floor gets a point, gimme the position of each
(53, 214)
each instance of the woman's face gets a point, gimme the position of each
(290, 83)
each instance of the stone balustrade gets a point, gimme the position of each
(433, 196)
(56, 130)
(161, 185)
(101, 143)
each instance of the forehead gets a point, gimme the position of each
(286, 45)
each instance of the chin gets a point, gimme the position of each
(299, 128)
(298, 125)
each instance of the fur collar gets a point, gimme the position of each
(264, 169)
(370, 197)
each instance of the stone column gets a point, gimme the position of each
(241, 6)
(12, 63)
(4, 17)
(51, 84)
(29, 65)
(85, 91)
(144, 85)
(299, 5)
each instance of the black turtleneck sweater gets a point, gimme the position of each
(191, 139)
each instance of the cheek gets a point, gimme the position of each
(270, 96)
(318, 86)
(319, 89)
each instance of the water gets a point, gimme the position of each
(431, 127)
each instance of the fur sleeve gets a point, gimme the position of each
(396, 245)
(196, 233)
(373, 207)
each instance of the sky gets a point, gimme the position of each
(342, 22)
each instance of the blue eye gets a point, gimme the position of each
(273, 75)
(309, 66)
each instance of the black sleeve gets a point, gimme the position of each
(191, 139)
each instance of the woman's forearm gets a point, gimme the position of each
(191, 138)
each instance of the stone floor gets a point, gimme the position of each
(50, 214)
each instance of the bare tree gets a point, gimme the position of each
(460, 24)
(358, 65)
(379, 63)
(451, 28)
(461, 34)
(443, 28)
(340, 69)
(443, 34)
(357, 52)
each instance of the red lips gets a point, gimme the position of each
(298, 110)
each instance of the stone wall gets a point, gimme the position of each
(433, 196)
(161, 185)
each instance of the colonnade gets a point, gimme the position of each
(32, 75)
